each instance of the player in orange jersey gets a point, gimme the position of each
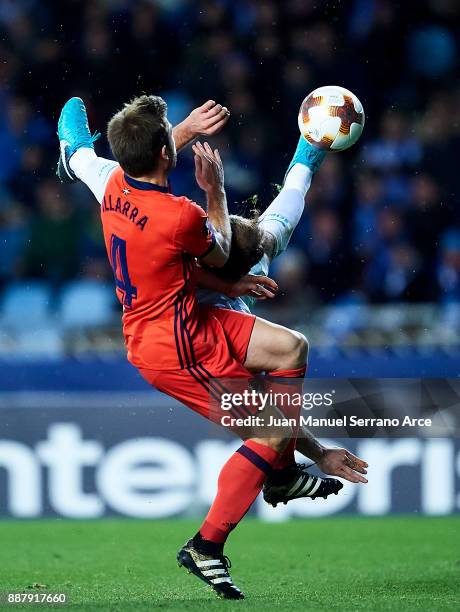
(153, 240)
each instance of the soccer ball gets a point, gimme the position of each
(331, 118)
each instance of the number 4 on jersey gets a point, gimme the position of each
(120, 270)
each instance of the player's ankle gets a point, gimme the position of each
(80, 160)
(279, 475)
(294, 357)
(207, 547)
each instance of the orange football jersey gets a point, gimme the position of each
(152, 238)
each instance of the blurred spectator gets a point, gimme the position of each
(52, 248)
(439, 130)
(432, 51)
(428, 215)
(396, 275)
(327, 256)
(368, 200)
(449, 267)
(394, 148)
(296, 297)
(91, 247)
(13, 234)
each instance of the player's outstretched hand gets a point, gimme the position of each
(208, 119)
(252, 285)
(209, 170)
(340, 462)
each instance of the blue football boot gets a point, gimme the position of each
(307, 155)
(73, 133)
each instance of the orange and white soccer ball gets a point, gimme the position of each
(331, 118)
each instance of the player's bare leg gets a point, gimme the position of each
(273, 347)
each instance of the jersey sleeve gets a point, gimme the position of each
(195, 235)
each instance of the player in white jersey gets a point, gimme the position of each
(264, 238)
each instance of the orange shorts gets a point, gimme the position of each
(201, 385)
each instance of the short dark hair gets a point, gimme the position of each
(137, 134)
(246, 248)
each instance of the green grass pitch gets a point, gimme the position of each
(400, 563)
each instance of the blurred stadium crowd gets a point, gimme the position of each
(383, 221)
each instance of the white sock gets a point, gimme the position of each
(284, 213)
(92, 170)
(299, 178)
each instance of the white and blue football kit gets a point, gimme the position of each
(280, 219)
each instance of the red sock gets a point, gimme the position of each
(240, 481)
(274, 384)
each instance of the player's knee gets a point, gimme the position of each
(297, 351)
(303, 350)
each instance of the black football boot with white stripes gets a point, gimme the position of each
(211, 568)
(294, 482)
